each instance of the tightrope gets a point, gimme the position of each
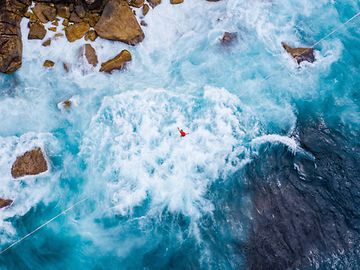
(319, 41)
(43, 225)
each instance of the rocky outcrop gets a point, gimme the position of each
(30, 163)
(44, 12)
(37, 31)
(300, 54)
(11, 12)
(118, 22)
(76, 31)
(90, 54)
(117, 63)
(5, 202)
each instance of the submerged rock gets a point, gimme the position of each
(37, 31)
(305, 209)
(76, 31)
(89, 52)
(228, 38)
(5, 202)
(117, 63)
(118, 22)
(300, 54)
(30, 163)
(11, 12)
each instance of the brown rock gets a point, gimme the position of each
(63, 11)
(37, 31)
(74, 17)
(67, 104)
(10, 53)
(228, 38)
(92, 18)
(45, 12)
(58, 35)
(145, 9)
(11, 12)
(116, 63)
(30, 163)
(76, 31)
(154, 3)
(55, 23)
(80, 11)
(5, 202)
(91, 35)
(136, 3)
(65, 22)
(117, 22)
(90, 54)
(53, 29)
(28, 14)
(175, 2)
(48, 64)
(47, 42)
(300, 54)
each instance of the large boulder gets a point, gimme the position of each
(76, 31)
(300, 54)
(11, 12)
(118, 22)
(30, 163)
(116, 63)
(45, 12)
(37, 31)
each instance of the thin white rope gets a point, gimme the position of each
(43, 225)
(319, 41)
(336, 29)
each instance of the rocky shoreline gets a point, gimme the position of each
(116, 20)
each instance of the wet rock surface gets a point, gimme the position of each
(5, 202)
(90, 54)
(11, 12)
(76, 31)
(305, 212)
(30, 163)
(118, 22)
(300, 54)
(116, 63)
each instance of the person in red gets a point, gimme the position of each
(182, 133)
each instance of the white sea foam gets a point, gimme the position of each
(26, 192)
(275, 138)
(133, 147)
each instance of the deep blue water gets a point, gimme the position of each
(156, 201)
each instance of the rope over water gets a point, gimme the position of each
(43, 225)
(83, 200)
(320, 40)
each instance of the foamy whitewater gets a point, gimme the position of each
(153, 197)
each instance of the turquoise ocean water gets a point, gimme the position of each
(155, 201)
